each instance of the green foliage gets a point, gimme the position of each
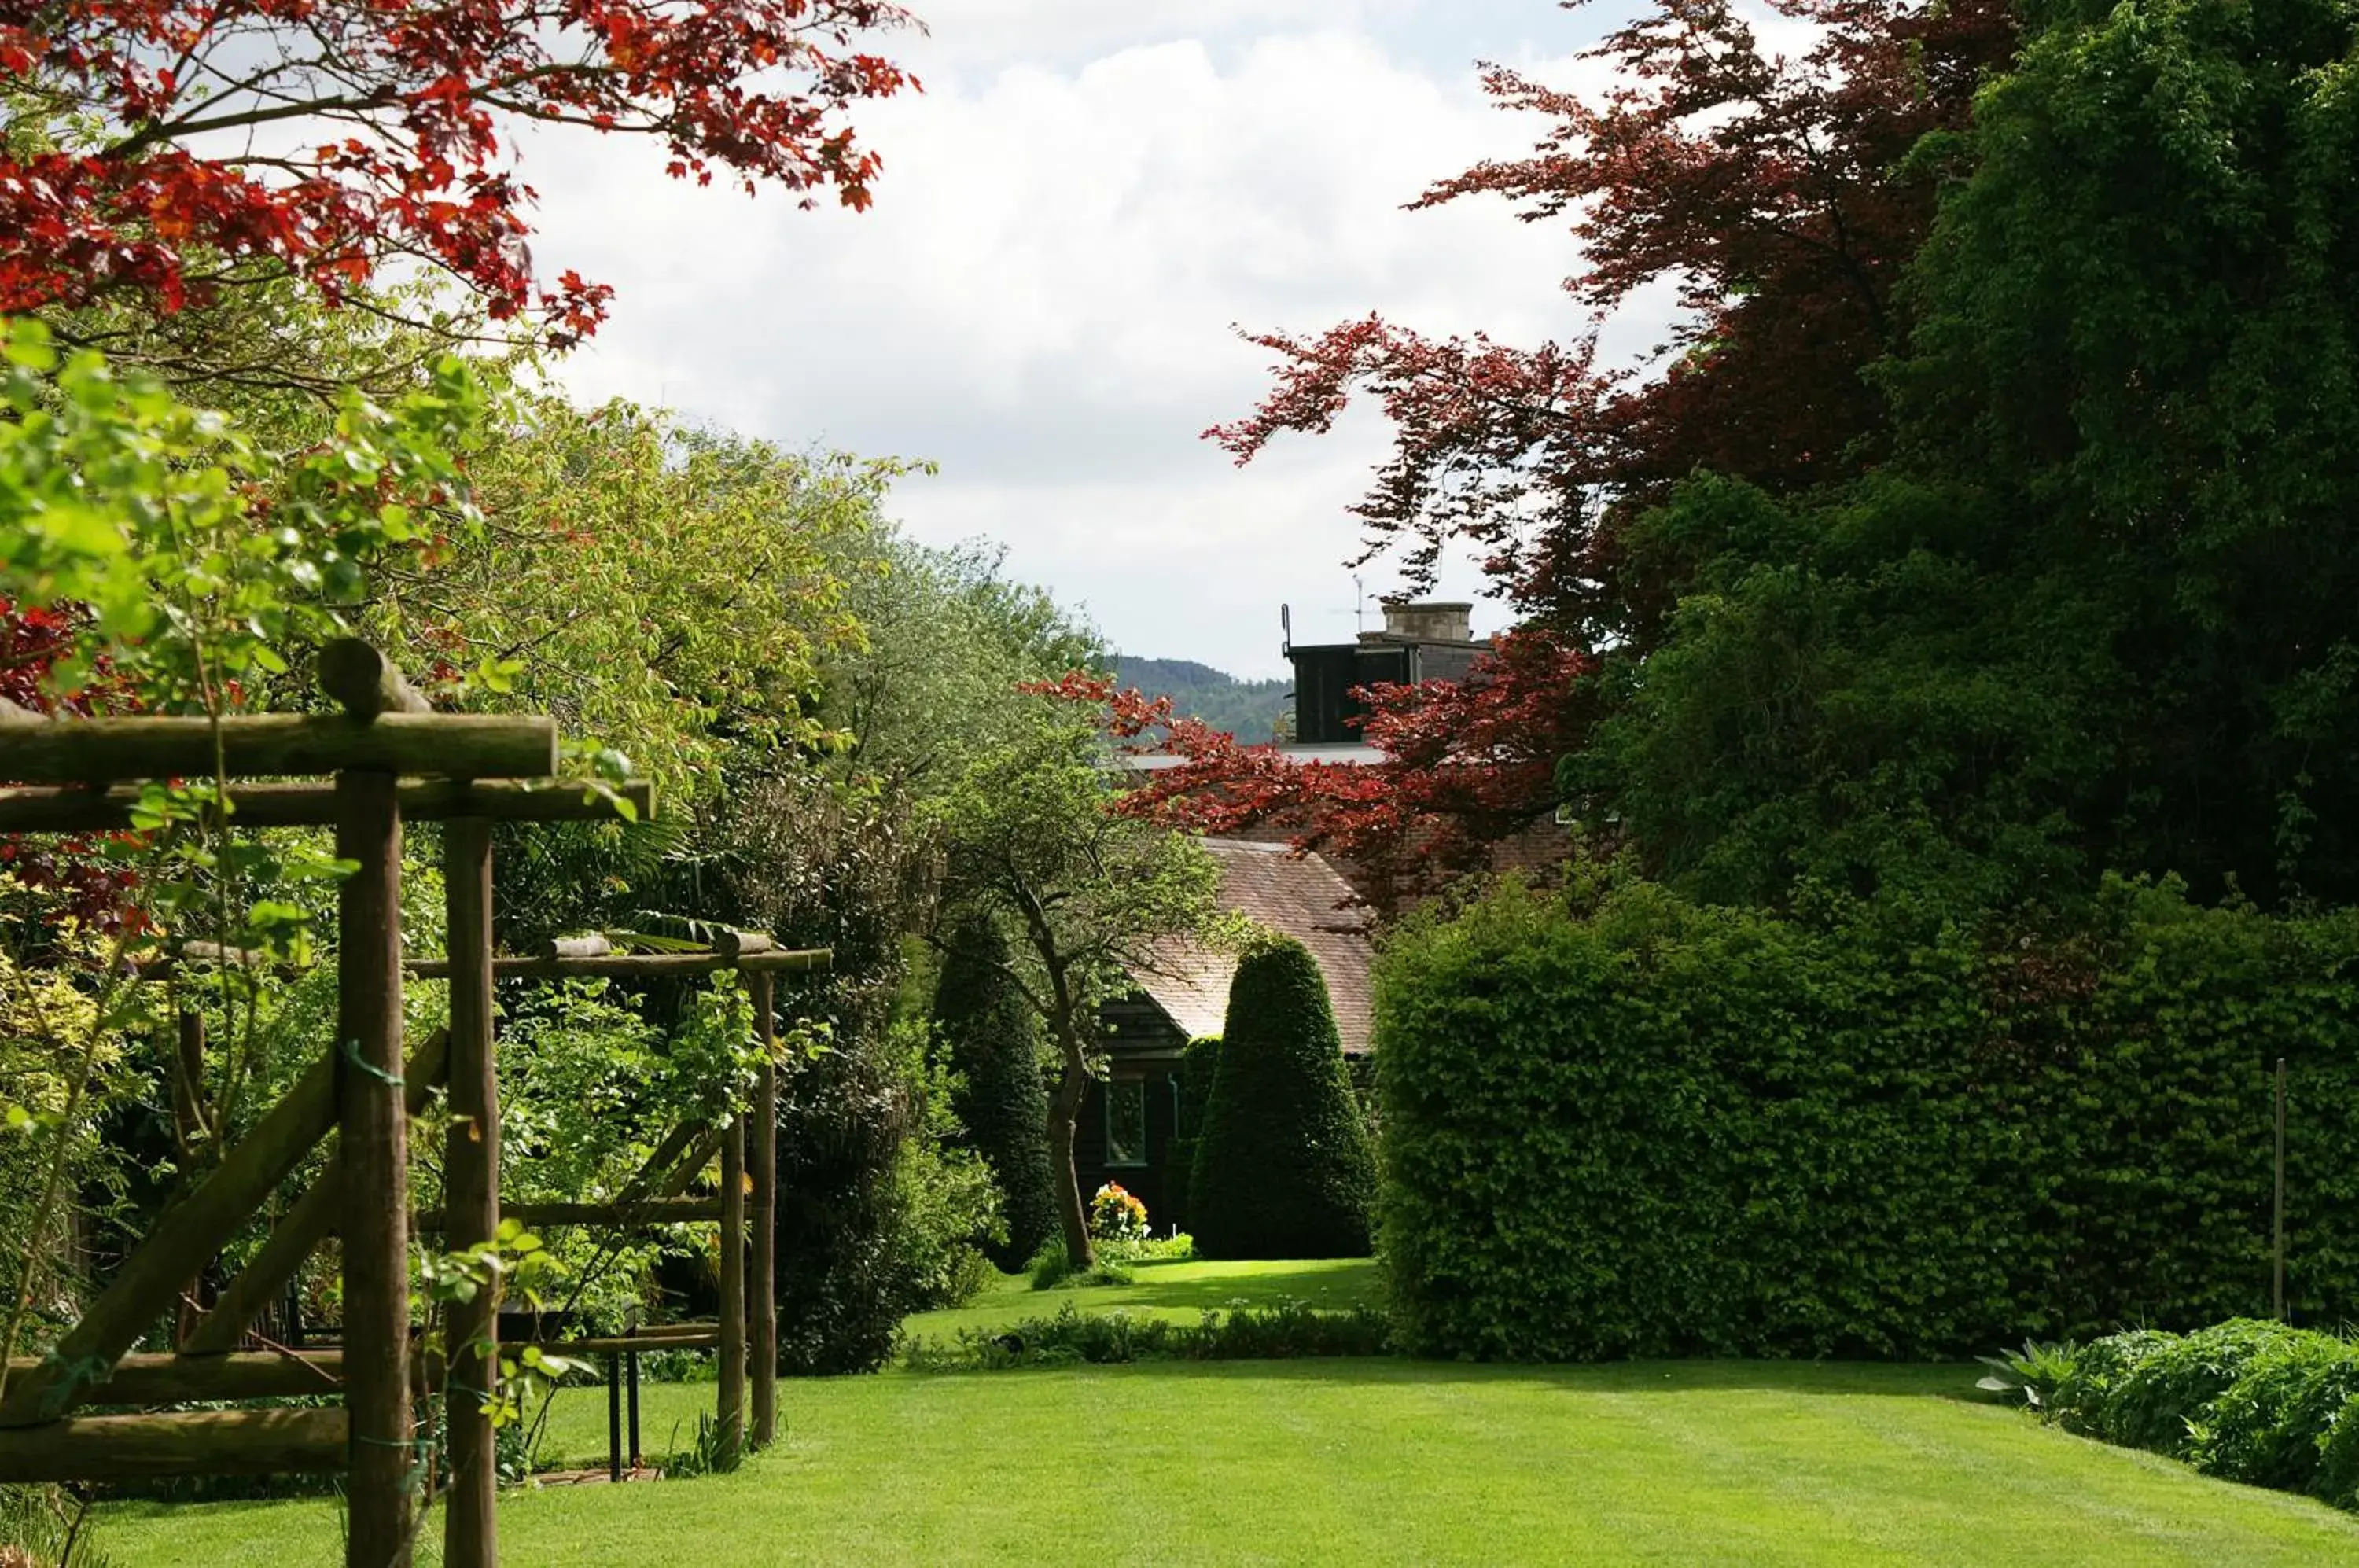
(1283, 1167)
(1623, 1125)
(1091, 899)
(993, 1040)
(1283, 1332)
(946, 1201)
(2248, 1400)
(2091, 612)
(47, 1527)
(1052, 1269)
(677, 590)
(1199, 1063)
(947, 639)
(1176, 1248)
(202, 557)
(2031, 1373)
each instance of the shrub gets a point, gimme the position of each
(1287, 1330)
(1199, 1063)
(1116, 1213)
(1052, 1269)
(2248, 1401)
(1283, 1168)
(1617, 1124)
(993, 1037)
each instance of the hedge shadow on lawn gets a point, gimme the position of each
(1948, 1382)
(1329, 1286)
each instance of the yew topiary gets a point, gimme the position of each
(1283, 1166)
(993, 1041)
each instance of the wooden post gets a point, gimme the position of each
(374, 1150)
(733, 1291)
(761, 1301)
(190, 1232)
(181, 1442)
(188, 1129)
(272, 1270)
(2278, 1293)
(471, 1184)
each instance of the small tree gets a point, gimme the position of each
(1283, 1167)
(1093, 899)
(994, 1039)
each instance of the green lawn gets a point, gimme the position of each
(1357, 1461)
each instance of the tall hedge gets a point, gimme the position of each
(1199, 1063)
(993, 1040)
(1647, 1128)
(1283, 1167)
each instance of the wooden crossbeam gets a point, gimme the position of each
(439, 746)
(664, 1337)
(684, 1176)
(789, 961)
(314, 805)
(635, 1212)
(181, 1379)
(183, 1442)
(310, 1221)
(181, 1243)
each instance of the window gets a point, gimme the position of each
(1125, 1103)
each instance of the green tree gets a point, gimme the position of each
(1283, 1167)
(994, 1041)
(1092, 900)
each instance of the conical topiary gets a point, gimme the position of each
(992, 1038)
(1199, 1064)
(1284, 1167)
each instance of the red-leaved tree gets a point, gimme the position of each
(172, 146)
(1783, 196)
(1466, 764)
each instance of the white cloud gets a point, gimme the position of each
(1042, 298)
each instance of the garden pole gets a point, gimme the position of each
(189, 1129)
(762, 1301)
(376, 1153)
(733, 1291)
(2278, 1293)
(471, 1198)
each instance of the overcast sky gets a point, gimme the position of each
(1086, 198)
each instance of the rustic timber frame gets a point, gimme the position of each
(391, 758)
(746, 1336)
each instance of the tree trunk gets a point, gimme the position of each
(1064, 1112)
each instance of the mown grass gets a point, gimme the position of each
(1357, 1461)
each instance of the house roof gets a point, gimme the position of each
(1296, 896)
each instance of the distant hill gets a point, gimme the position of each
(1246, 709)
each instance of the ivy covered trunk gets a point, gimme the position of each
(1064, 1113)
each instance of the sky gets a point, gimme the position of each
(1087, 201)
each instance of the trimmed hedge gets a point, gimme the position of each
(2248, 1401)
(1283, 1167)
(1284, 1331)
(993, 1041)
(1199, 1063)
(1619, 1124)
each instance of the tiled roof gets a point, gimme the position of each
(1295, 896)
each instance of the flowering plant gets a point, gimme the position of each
(1116, 1215)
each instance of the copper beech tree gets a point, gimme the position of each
(1782, 194)
(167, 149)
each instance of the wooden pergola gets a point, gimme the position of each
(392, 759)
